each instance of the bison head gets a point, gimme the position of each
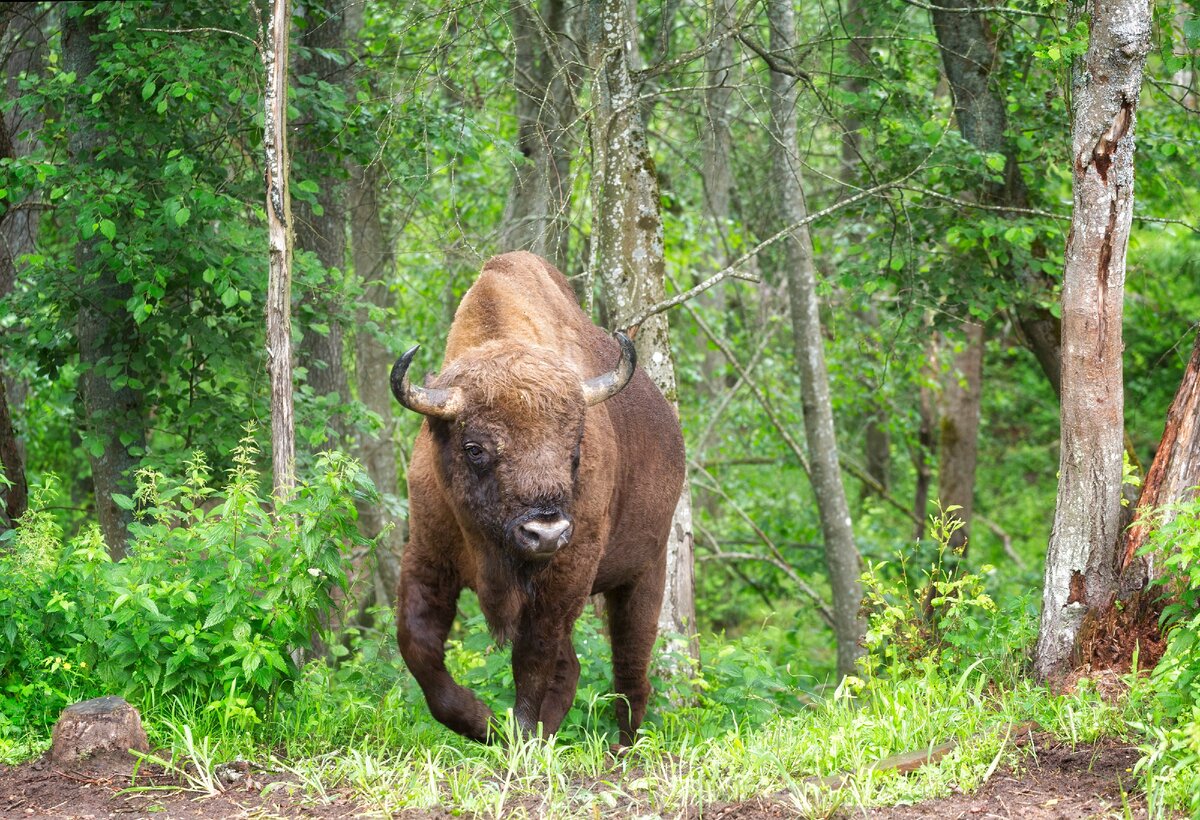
(507, 422)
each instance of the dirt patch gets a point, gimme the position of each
(99, 789)
(1054, 780)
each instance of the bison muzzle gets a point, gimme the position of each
(547, 470)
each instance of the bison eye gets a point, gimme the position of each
(475, 454)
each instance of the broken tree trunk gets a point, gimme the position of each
(1175, 472)
(106, 726)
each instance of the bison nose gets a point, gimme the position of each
(541, 537)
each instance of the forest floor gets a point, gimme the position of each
(1056, 781)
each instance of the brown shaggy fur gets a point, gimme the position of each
(519, 349)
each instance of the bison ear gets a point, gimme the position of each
(442, 404)
(607, 385)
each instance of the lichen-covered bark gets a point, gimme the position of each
(279, 237)
(841, 554)
(103, 322)
(536, 214)
(1081, 560)
(627, 252)
(323, 234)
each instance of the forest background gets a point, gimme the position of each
(888, 184)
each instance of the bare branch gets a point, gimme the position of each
(207, 30)
(731, 269)
(776, 557)
(981, 9)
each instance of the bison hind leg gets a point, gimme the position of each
(633, 626)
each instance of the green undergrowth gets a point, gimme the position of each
(198, 627)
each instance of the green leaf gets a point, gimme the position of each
(182, 216)
(148, 89)
(108, 229)
(995, 162)
(1191, 32)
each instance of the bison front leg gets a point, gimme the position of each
(535, 657)
(633, 626)
(426, 606)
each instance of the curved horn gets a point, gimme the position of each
(442, 404)
(607, 385)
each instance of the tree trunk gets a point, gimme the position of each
(15, 493)
(627, 255)
(1174, 474)
(922, 451)
(958, 432)
(718, 186)
(1081, 560)
(841, 555)
(536, 214)
(279, 235)
(373, 264)
(318, 157)
(114, 416)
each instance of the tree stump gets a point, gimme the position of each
(105, 726)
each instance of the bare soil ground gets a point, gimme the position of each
(1054, 781)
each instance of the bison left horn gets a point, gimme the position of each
(607, 385)
(428, 401)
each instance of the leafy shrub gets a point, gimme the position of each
(212, 600)
(941, 617)
(1172, 753)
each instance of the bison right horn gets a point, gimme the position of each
(607, 385)
(428, 401)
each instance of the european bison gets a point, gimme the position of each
(547, 470)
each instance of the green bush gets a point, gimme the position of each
(211, 604)
(1172, 752)
(941, 616)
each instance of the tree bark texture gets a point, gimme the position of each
(958, 432)
(103, 326)
(923, 450)
(536, 214)
(14, 495)
(841, 554)
(627, 255)
(1175, 471)
(373, 263)
(1081, 561)
(316, 156)
(279, 236)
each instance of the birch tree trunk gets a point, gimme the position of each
(627, 255)
(279, 235)
(535, 216)
(1081, 561)
(103, 322)
(841, 554)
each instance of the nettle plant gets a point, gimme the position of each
(938, 618)
(1172, 760)
(210, 605)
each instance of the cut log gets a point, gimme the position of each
(105, 726)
